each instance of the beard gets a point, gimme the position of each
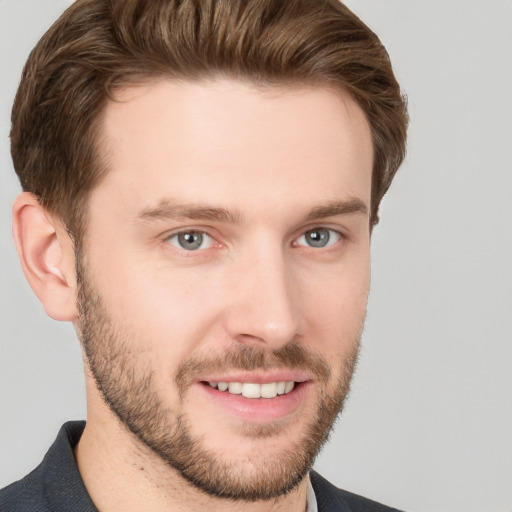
(127, 383)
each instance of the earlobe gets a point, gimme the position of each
(46, 255)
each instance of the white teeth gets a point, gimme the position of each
(268, 390)
(235, 388)
(253, 390)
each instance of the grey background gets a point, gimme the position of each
(429, 423)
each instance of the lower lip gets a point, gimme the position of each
(258, 409)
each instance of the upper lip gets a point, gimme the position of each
(259, 377)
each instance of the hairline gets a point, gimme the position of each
(101, 146)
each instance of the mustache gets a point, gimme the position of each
(244, 357)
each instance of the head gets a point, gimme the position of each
(217, 168)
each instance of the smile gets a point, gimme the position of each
(254, 390)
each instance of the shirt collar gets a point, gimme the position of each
(312, 505)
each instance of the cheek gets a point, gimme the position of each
(335, 305)
(168, 312)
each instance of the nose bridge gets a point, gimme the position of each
(265, 309)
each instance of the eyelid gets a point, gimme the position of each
(339, 235)
(206, 232)
(190, 229)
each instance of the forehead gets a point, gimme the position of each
(230, 142)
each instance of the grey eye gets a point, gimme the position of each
(319, 237)
(191, 240)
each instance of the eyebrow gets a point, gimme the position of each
(169, 209)
(351, 205)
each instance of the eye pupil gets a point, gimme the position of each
(318, 237)
(190, 240)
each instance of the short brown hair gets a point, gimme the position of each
(98, 45)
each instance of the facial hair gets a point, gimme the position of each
(126, 381)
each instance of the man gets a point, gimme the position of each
(200, 180)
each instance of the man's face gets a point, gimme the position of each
(228, 246)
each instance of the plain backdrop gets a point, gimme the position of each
(428, 426)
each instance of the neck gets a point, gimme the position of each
(120, 473)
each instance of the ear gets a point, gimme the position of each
(47, 256)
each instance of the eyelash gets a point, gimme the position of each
(194, 232)
(326, 231)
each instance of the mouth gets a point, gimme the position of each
(256, 402)
(256, 396)
(254, 389)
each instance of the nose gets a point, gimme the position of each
(264, 310)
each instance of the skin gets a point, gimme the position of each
(269, 158)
